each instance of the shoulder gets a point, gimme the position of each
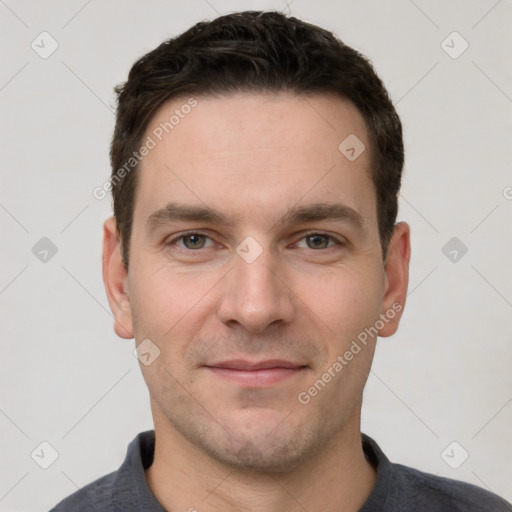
(401, 488)
(431, 492)
(122, 490)
(94, 497)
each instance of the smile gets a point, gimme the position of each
(256, 375)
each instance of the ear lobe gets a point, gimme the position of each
(115, 277)
(396, 279)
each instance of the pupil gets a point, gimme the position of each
(317, 240)
(194, 240)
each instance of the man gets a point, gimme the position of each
(254, 257)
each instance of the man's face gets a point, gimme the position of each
(255, 262)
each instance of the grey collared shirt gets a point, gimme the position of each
(397, 489)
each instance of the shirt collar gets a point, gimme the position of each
(130, 482)
(385, 476)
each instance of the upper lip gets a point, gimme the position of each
(240, 364)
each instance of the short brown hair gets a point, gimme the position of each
(255, 51)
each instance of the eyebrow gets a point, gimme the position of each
(173, 212)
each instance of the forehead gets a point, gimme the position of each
(255, 151)
(243, 121)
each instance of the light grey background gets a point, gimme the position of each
(68, 380)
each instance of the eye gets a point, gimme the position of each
(192, 241)
(319, 241)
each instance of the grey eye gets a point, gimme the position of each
(317, 241)
(194, 241)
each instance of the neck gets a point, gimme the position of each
(184, 478)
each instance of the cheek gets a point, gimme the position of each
(345, 301)
(344, 308)
(156, 285)
(169, 305)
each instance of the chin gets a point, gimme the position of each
(262, 445)
(261, 458)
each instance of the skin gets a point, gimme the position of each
(223, 445)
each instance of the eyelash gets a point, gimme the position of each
(305, 235)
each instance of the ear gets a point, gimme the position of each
(396, 270)
(115, 278)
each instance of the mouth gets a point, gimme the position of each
(256, 374)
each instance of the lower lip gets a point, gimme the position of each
(256, 378)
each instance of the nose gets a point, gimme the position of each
(256, 295)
